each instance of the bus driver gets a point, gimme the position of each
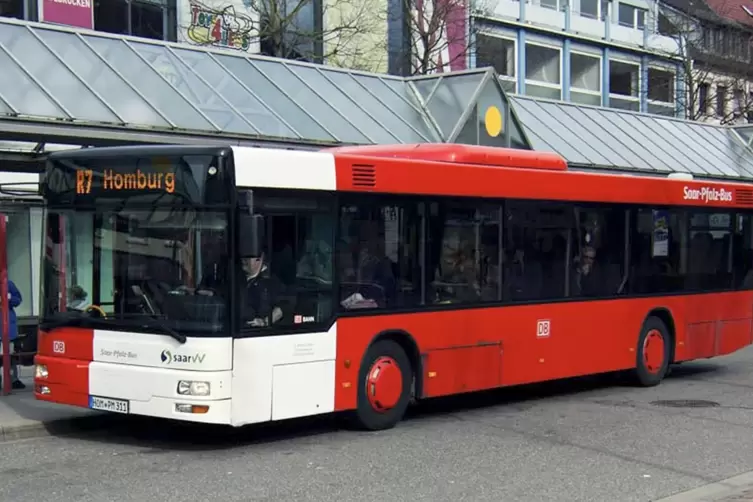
(259, 293)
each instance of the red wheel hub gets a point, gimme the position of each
(653, 351)
(384, 384)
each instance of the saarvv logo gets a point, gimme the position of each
(168, 357)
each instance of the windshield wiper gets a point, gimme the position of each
(181, 338)
(64, 319)
(78, 318)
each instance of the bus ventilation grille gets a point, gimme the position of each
(364, 175)
(744, 197)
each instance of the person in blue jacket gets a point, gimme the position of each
(14, 297)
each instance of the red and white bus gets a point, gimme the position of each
(245, 285)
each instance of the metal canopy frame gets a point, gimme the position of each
(452, 101)
(88, 88)
(57, 80)
(84, 88)
(610, 139)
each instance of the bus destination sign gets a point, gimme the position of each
(112, 181)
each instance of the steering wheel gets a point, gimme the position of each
(96, 308)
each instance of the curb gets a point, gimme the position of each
(737, 488)
(56, 427)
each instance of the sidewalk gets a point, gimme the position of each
(735, 489)
(22, 416)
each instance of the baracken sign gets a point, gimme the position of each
(79, 13)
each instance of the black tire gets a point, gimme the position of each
(644, 375)
(365, 416)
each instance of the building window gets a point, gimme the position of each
(499, 53)
(661, 85)
(127, 17)
(624, 85)
(590, 8)
(543, 71)
(550, 4)
(630, 16)
(666, 27)
(585, 79)
(721, 100)
(703, 99)
(739, 102)
(12, 8)
(661, 91)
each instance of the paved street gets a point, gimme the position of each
(571, 442)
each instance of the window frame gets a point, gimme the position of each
(128, 22)
(600, 59)
(560, 60)
(664, 69)
(95, 212)
(588, 15)
(242, 331)
(513, 79)
(634, 23)
(624, 97)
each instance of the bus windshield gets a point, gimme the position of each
(150, 261)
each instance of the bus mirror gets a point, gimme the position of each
(251, 235)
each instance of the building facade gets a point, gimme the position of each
(344, 33)
(718, 64)
(592, 52)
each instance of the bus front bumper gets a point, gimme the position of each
(195, 396)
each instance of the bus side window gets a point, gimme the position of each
(742, 252)
(536, 241)
(659, 251)
(378, 255)
(598, 268)
(463, 256)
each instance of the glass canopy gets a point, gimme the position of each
(621, 140)
(54, 73)
(58, 74)
(58, 83)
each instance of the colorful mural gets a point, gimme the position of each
(230, 24)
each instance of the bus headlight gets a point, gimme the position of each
(41, 371)
(190, 388)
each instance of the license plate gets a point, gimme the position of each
(108, 404)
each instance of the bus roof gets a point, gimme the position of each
(472, 171)
(137, 151)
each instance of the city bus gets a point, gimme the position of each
(235, 285)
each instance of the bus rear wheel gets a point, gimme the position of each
(384, 386)
(652, 354)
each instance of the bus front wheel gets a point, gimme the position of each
(385, 380)
(652, 354)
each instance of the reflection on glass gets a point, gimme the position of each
(291, 284)
(19, 257)
(153, 268)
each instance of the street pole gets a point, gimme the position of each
(4, 306)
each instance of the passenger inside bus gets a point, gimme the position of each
(586, 279)
(523, 277)
(456, 280)
(367, 279)
(77, 298)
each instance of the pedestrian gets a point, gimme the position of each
(14, 300)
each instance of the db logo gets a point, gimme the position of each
(58, 347)
(543, 327)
